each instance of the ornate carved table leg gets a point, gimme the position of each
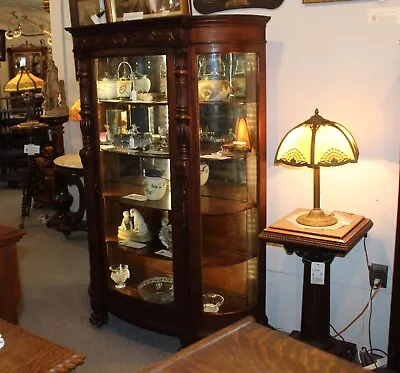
(33, 132)
(56, 127)
(68, 171)
(27, 191)
(62, 201)
(98, 318)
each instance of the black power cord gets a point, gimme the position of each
(369, 357)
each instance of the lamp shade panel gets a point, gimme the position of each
(295, 147)
(317, 143)
(23, 81)
(333, 146)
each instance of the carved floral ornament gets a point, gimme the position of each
(122, 39)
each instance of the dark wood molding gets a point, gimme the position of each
(394, 326)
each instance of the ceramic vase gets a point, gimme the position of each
(142, 84)
(154, 185)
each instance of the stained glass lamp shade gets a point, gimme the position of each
(23, 81)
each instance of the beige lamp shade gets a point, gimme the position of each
(23, 81)
(316, 143)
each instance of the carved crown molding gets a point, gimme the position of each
(123, 39)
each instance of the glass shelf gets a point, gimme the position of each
(214, 201)
(161, 101)
(143, 266)
(230, 101)
(134, 152)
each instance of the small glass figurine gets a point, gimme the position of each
(119, 274)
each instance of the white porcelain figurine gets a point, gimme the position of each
(126, 223)
(165, 234)
(133, 227)
(139, 225)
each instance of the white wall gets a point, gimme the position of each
(64, 59)
(326, 56)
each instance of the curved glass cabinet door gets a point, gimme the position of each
(227, 96)
(135, 176)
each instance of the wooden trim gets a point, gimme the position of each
(394, 326)
(321, 1)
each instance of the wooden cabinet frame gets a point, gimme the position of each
(34, 57)
(180, 38)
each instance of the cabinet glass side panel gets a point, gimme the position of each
(132, 118)
(20, 61)
(29, 61)
(227, 107)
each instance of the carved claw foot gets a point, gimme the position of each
(98, 318)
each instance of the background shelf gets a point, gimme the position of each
(217, 198)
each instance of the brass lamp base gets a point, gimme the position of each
(316, 218)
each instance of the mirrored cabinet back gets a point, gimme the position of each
(174, 153)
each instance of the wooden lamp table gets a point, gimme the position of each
(318, 247)
(29, 353)
(246, 346)
(68, 170)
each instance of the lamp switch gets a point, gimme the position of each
(317, 273)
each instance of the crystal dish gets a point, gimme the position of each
(157, 290)
(212, 302)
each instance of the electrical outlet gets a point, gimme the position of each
(378, 271)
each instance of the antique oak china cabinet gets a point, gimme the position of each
(173, 123)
